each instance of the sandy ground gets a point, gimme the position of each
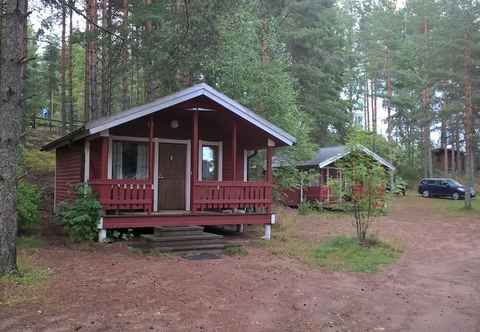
(435, 285)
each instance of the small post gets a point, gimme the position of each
(234, 149)
(102, 233)
(268, 232)
(195, 162)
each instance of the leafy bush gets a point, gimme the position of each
(81, 216)
(28, 202)
(39, 162)
(307, 207)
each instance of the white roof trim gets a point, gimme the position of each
(365, 150)
(101, 124)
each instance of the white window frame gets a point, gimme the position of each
(123, 139)
(201, 143)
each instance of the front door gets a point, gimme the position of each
(172, 160)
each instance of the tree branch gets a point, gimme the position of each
(79, 12)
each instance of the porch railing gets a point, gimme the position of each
(124, 194)
(232, 195)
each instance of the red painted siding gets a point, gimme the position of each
(68, 172)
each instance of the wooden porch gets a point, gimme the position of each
(232, 199)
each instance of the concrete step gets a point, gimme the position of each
(181, 238)
(192, 247)
(177, 230)
(161, 244)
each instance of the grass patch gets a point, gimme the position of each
(456, 208)
(346, 254)
(29, 242)
(235, 251)
(24, 286)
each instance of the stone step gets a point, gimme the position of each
(179, 243)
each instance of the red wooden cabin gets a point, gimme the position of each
(324, 162)
(179, 160)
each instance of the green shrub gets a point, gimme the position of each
(80, 217)
(308, 207)
(38, 162)
(28, 202)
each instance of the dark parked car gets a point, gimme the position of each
(442, 187)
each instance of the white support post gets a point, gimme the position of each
(102, 233)
(241, 228)
(268, 232)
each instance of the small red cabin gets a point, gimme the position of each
(324, 163)
(179, 160)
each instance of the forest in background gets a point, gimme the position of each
(312, 67)
(317, 68)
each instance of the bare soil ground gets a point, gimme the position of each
(434, 286)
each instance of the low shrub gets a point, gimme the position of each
(39, 162)
(28, 202)
(307, 207)
(81, 216)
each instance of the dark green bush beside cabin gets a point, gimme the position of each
(28, 202)
(81, 216)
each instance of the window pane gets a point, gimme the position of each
(210, 162)
(129, 160)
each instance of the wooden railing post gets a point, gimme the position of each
(151, 160)
(234, 149)
(104, 158)
(268, 193)
(194, 159)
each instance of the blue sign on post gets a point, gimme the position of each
(44, 112)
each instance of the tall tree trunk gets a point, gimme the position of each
(71, 116)
(106, 59)
(443, 145)
(12, 68)
(389, 94)
(63, 58)
(148, 67)
(468, 120)
(367, 127)
(125, 99)
(91, 62)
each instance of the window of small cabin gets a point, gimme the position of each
(211, 158)
(256, 165)
(129, 160)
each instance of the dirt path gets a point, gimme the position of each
(435, 286)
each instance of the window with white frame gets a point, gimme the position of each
(210, 155)
(129, 160)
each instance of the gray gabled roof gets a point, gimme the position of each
(328, 155)
(202, 89)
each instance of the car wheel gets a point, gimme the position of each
(456, 196)
(426, 193)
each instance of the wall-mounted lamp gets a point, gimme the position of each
(174, 124)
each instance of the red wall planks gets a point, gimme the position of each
(68, 171)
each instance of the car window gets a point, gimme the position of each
(454, 183)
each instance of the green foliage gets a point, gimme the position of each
(81, 216)
(400, 186)
(38, 162)
(347, 254)
(28, 202)
(308, 207)
(29, 242)
(367, 181)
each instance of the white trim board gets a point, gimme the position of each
(201, 89)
